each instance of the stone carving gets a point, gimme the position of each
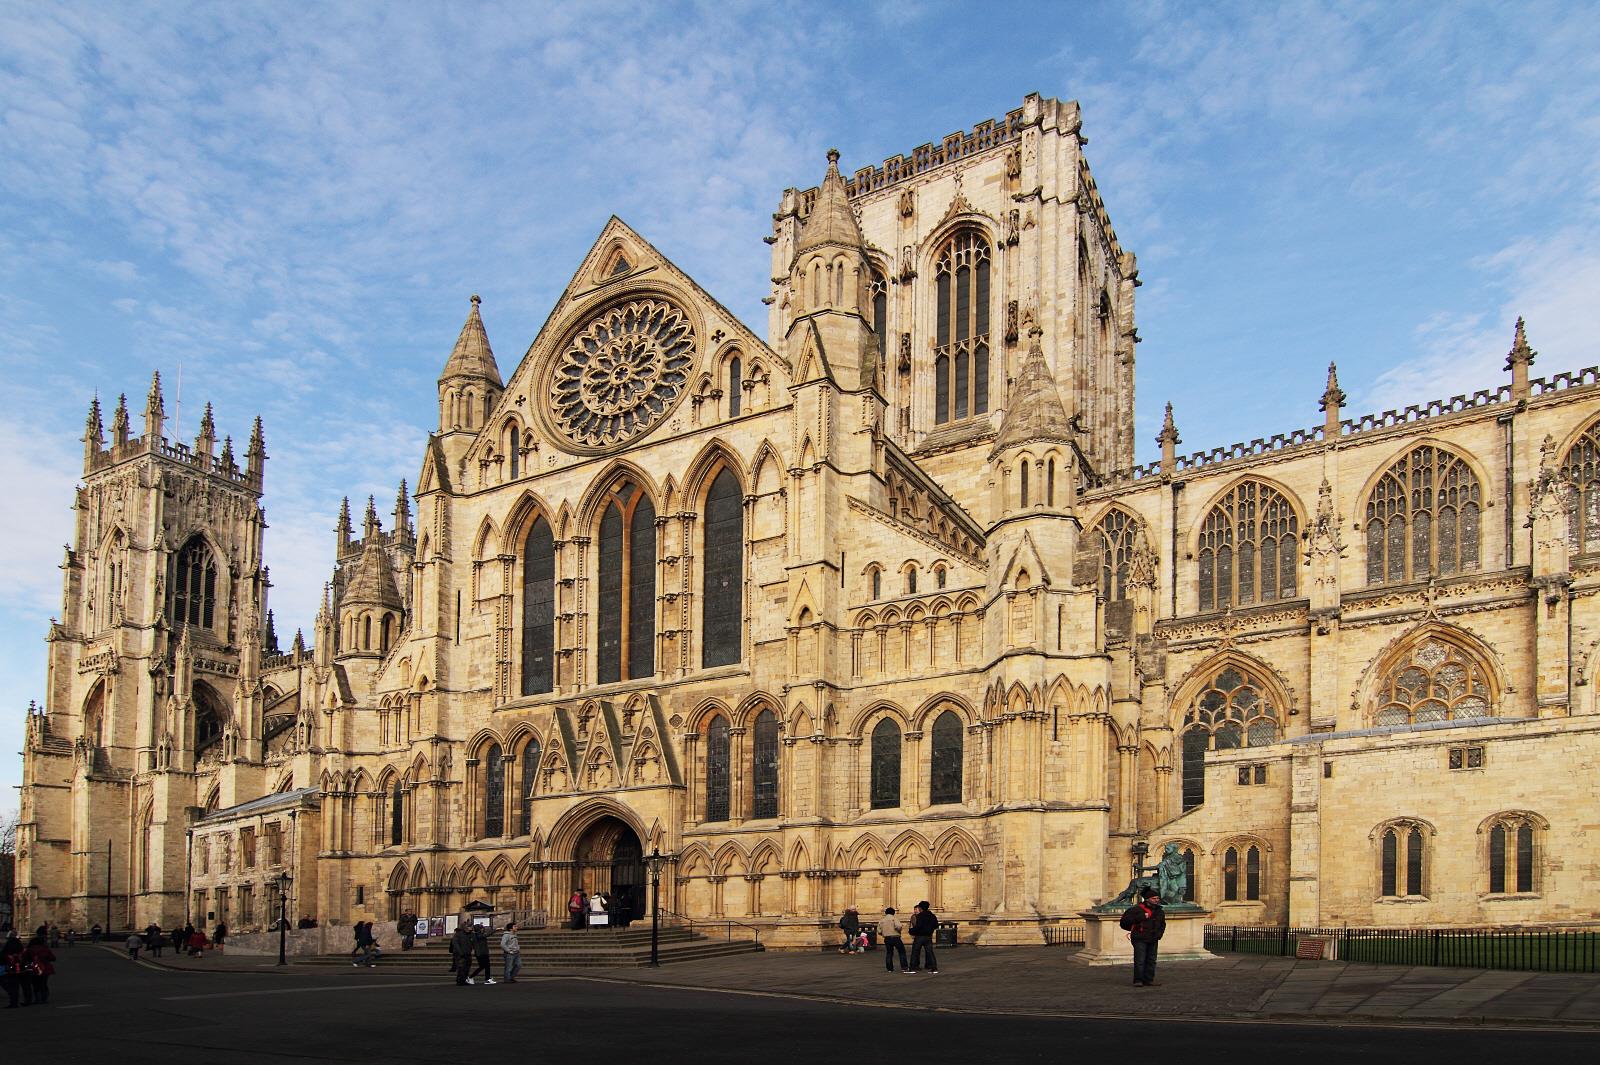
(622, 373)
(1167, 876)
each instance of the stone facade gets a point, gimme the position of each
(875, 610)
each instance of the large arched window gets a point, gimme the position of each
(538, 610)
(1581, 467)
(1247, 548)
(1233, 711)
(886, 765)
(1511, 868)
(1435, 680)
(1115, 537)
(961, 328)
(945, 764)
(494, 791)
(764, 795)
(717, 764)
(1400, 861)
(722, 609)
(1423, 518)
(529, 774)
(627, 607)
(192, 587)
(397, 816)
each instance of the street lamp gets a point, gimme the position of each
(655, 859)
(283, 918)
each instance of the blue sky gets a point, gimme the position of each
(295, 201)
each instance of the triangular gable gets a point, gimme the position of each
(435, 476)
(1026, 555)
(667, 751)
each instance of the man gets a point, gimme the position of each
(1145, 923)
(461, 954)
(511, 953)
(407, 927)
(480, 948)
(924, 923)
(850, 925)
(889, 932)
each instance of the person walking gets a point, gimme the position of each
(154, 940)
(359, 932)
(11, 978)
(407, 927)
(849, 924)
(1145, 922)
(461, 954)
(510, 953)
(134, 944)
(480, 950)
(94, 932)
(576, 905)
(179, 938)
(38, 966)
(889, 935)
(220, 936)
(197, 943)
(924, 923)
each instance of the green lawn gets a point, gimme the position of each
(1542, 951)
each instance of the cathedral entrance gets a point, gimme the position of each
(609, 860)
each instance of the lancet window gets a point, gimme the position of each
(538, 610)
(1423, 518)
(961, 328)
(494, 791)
(1233, 711)
(945, 764)
(764, 795)
(397, 815)
(1511, 855)
(627, 607)
(1247, 548)
(1400, 861)
(722, 596)
(886, 765)
(878, 292)
(530, 774)
(192, 589)
(718, 761)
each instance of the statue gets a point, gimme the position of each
(1168, 876)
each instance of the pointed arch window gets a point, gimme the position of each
(514, 450)
(735, 386)
(192, 586)
(945, 764)
(877, 584)
(1511, 856)
(1581, 468)
(722, 596)
(717, 764)
(209, 714)
(764, 795)
(1247, 548)
(1400, 861)
(1116, 537)
(1434, 681)
(494, 791)
(529, 775)
(397, 815)
(1022, 482)
(961, 328)
(627, 607)
(1423, 518)
(1233, 711)
(886, 765)
(1190, 888)
(878, 292)
(1230, 875)
(538, 610)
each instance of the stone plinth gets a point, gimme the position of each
(1105, 943)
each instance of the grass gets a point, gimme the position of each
(1535, 951)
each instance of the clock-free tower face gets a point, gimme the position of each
(621, 373)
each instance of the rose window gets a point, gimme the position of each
(622, 373)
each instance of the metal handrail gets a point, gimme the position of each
(690, 923)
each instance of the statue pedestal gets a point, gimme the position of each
(1105, 943)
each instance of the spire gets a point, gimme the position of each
(342, 529)
(472, 356)
(299, 642)
(255, 455)
(208, 433)
(1518, 359)
(831, 220)
(227, 454)
(402, 511)
(1169, 440)
(270, 638)
(94, 437)
(155, 412)
(119, 421)
(1332, 399)
(369, 524)
(1035, 411)
(373, 582)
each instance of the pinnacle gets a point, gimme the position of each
(1169, 429)
(831, 220)
(472, 356)
(1035, 411)
(1520, 351)
(1333, 395)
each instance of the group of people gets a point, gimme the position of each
(618, 910)
(891, 933)
(25, 971)
(469, 954)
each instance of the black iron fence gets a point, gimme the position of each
(1064, 933)
(1543, 950)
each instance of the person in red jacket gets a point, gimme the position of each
(38, 965)
(11, 978)
(1145, 922)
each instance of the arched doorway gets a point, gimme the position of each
(610, 859)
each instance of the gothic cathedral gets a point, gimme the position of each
(875, 609)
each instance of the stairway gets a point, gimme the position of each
(559, 949)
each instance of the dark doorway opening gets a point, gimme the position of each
(609, 859)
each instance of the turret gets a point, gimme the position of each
(369, 523)
(470, 382)
(1033, 458)
(829, 279)
(155, 413)
(370, 608)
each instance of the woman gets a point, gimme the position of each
(575, 907)
(597, 905)
(38, 965)
(11, 978)
(197, 943)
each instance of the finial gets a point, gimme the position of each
(833, 157)
(1169, 429)
(227, 452)
(476, 299)
(1332, 396)
(207, 423)
(1520, 351)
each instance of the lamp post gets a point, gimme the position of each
(655, 859)
(1141, 850)
(284, 880)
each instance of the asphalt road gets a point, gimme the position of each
(105, 1009)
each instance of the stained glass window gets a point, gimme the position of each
(1190, 888)
(530, 776)
(1252, 873)
(1434, 681)
(723, 596)
(1423, 518)
(609, 663)
(717, 764)
(1497, 859)
(945, 767)
(1414, 862)
(192, 590)
(764, 796)
(209, 715)
(1390, 863)
(627, 587)
(735, 387)
(514, 451)
(1247, 548)
(1511, 856)
(1401, 861)
(397, 816)
(494, 791)
(1230, 875)
(538, 610)
(1233, 711)
(886, 765)
(878, 289)
(961, 328)
(1116, 537)
(1582, 469)
(642, 590)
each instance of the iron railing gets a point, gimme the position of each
(711, 928)
(1066, 933)
(1528, 949)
